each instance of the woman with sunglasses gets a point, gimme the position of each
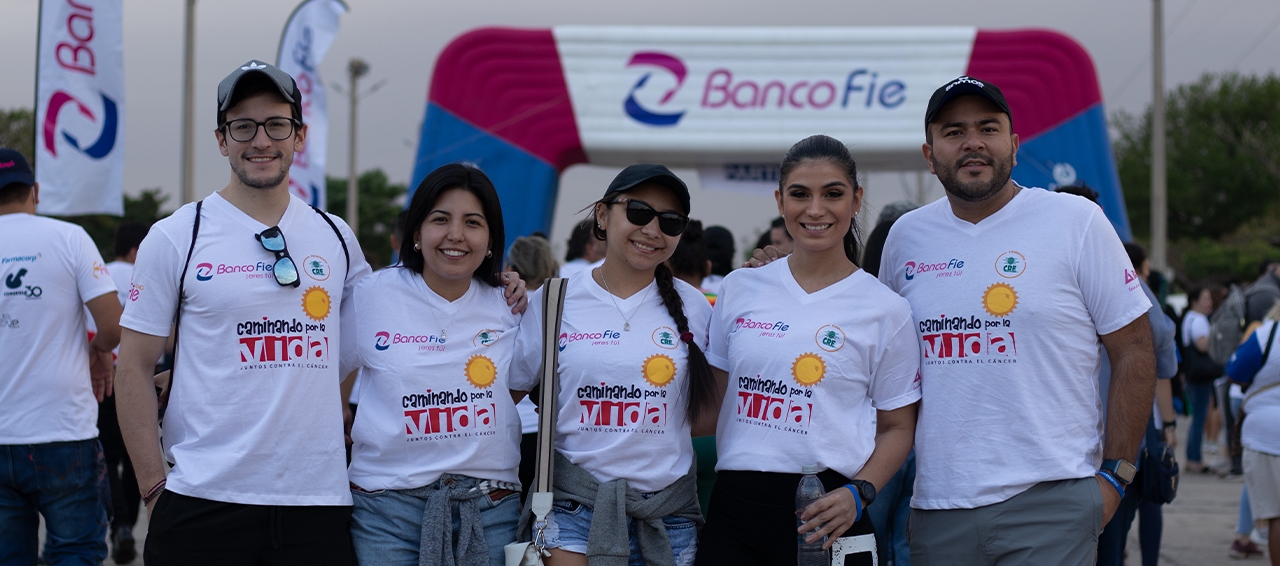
(436, 441)
(813, 345)
(632, 381)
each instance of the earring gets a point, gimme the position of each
(488, 253)
(417, 247)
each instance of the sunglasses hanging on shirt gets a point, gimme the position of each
(286, 272)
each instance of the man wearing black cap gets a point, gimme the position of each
(1013, 292)
(255, 279)
(50, 458)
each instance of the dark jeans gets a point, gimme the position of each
(890, 511)
(1200, 394)
(63, 482)
(125, 497)
(192, 531)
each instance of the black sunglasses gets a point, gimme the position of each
(286, 272)
(641, 214)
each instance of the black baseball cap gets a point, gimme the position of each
(648, 173)
(15, 169)
(283, 82)
(962, 86)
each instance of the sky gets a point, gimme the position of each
(400, 39)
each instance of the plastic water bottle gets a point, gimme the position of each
(809, 490)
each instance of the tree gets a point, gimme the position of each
(18, 131)
(380, 202)
(144, 208)
(1223, 155)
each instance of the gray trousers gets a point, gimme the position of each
(1053, 523)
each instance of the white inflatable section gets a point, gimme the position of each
(749, 93)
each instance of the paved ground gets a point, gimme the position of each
(1198, 525)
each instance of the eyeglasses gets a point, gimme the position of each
(286, 272)
(244, 129)
(641, 214)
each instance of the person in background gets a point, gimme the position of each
(720, 250)
(584, 251)
(126, 501)
(1195, 334)
(353, 395)
(892, 506)
(1256, 366)
(51, 463)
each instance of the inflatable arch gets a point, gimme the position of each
(525, 104)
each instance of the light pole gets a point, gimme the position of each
(187, 181)
(355, 69)
(1159, 198)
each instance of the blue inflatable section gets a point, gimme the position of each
(526, 185)
(1075, 151)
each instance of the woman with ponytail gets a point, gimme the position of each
(633, 383)
(824, 362)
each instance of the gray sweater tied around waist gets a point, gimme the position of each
(612, 502)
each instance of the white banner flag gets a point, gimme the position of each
(79, 158)
(307, 37)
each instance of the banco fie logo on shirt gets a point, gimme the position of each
(382, 341)
(260, 270)
(606, 338)
(662, 61)
(950, 268)
(767, 329)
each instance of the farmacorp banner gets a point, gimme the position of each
(79, 158)
(306, 38)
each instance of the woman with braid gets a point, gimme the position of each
(633, 383)
(821, 360)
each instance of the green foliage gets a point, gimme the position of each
(18, 131)
(1223, 167)
(144, 208)
(380, 202)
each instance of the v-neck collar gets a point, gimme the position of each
(1009, 209)
(805, 297)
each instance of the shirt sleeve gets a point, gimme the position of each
(717, 333)
(1107, 281)
(92, 278)
(1247, 359)
(526, 362)
(349, 358)
(895, 382)
(1162, 330)
(153, 297)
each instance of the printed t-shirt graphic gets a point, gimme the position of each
(431, 405)
(254, 416)
(806, 371)
(1008, 313)
(50, 268)
(621, 407)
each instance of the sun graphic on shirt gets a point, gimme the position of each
(481, 372)
(1000, 299)
(315, 303)
(658, 370)
(808, 369)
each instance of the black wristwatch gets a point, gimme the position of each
(866, 491)
(1169, 424)
(1122, 470)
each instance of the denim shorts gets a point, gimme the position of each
(569, 523)
(386, 525)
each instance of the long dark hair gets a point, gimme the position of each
(701, 387)
(826, 148)
(446, 178)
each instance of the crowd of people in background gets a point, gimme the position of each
(939, 377)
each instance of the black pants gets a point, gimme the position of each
(753, 520)
(125, 497)
(528, 463)
(192, 531)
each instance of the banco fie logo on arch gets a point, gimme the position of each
(660, 60)
(106, 140)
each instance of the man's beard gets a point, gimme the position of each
(270, 183)
(974, 191)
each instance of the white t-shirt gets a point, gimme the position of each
(1194, 327)
(431, 405)
(1261, 428)
(1009, 311)
(621, 407)
(804, 375)
(50, 269)
(255, 412)
(574, 267)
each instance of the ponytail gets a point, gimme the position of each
(701, 387)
